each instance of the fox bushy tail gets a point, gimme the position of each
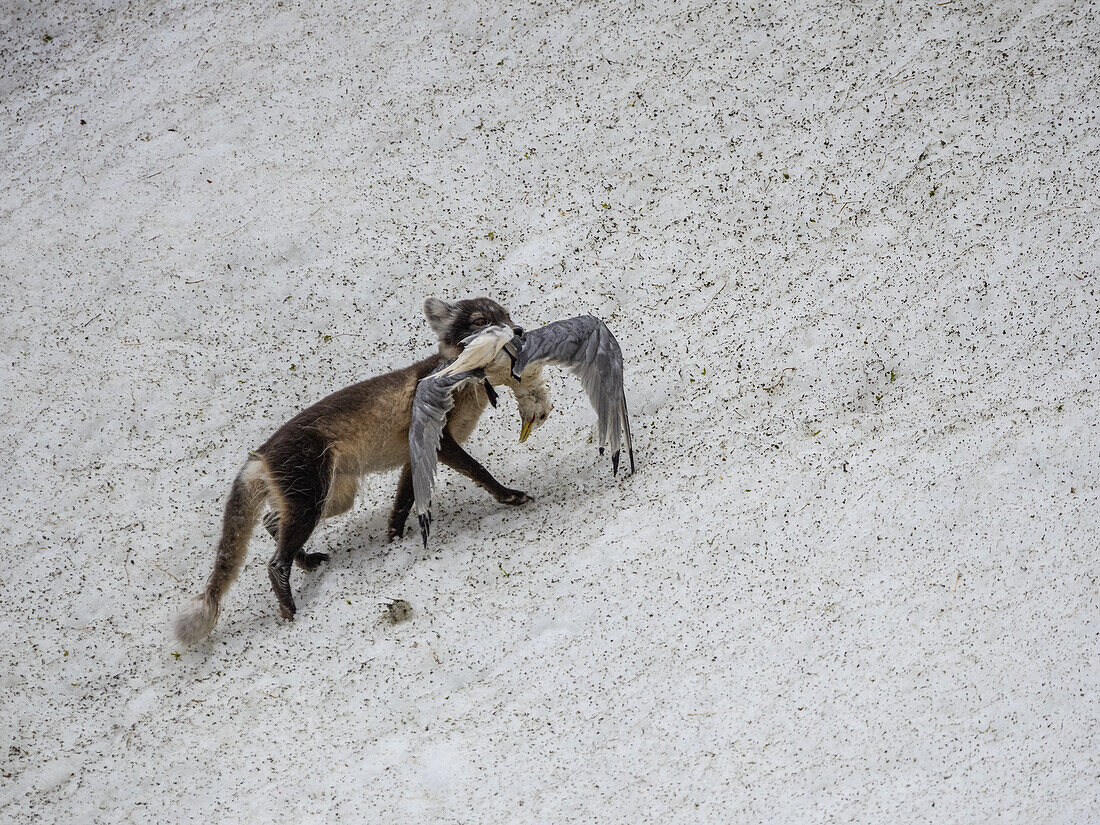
(242, 511)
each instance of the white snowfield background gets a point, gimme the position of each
(851, 252)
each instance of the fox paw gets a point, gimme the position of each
(311, 561)
(514, 497)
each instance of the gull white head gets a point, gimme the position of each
(534, 405)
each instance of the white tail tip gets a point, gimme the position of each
(196, 620)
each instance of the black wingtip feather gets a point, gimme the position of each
(615, 463)
(425, 520)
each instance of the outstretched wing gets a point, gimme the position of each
(434, 398)
(588, 348)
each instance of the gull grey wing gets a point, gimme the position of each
(431, 403)
(588, 348)
(433, 400)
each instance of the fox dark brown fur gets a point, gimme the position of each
(310, 468)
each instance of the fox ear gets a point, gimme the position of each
(440, 315)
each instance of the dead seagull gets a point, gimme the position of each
(584, 344)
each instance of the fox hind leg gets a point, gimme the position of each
(299, 527)
(302, 493)
(340, 498)
(307, 561)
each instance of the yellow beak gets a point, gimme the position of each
(525, 430)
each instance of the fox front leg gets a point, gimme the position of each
(402, 503)
(452, 454)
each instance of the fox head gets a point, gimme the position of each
(452, 322)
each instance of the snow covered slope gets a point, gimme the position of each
(851, 252)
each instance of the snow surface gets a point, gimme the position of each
(851, 252)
